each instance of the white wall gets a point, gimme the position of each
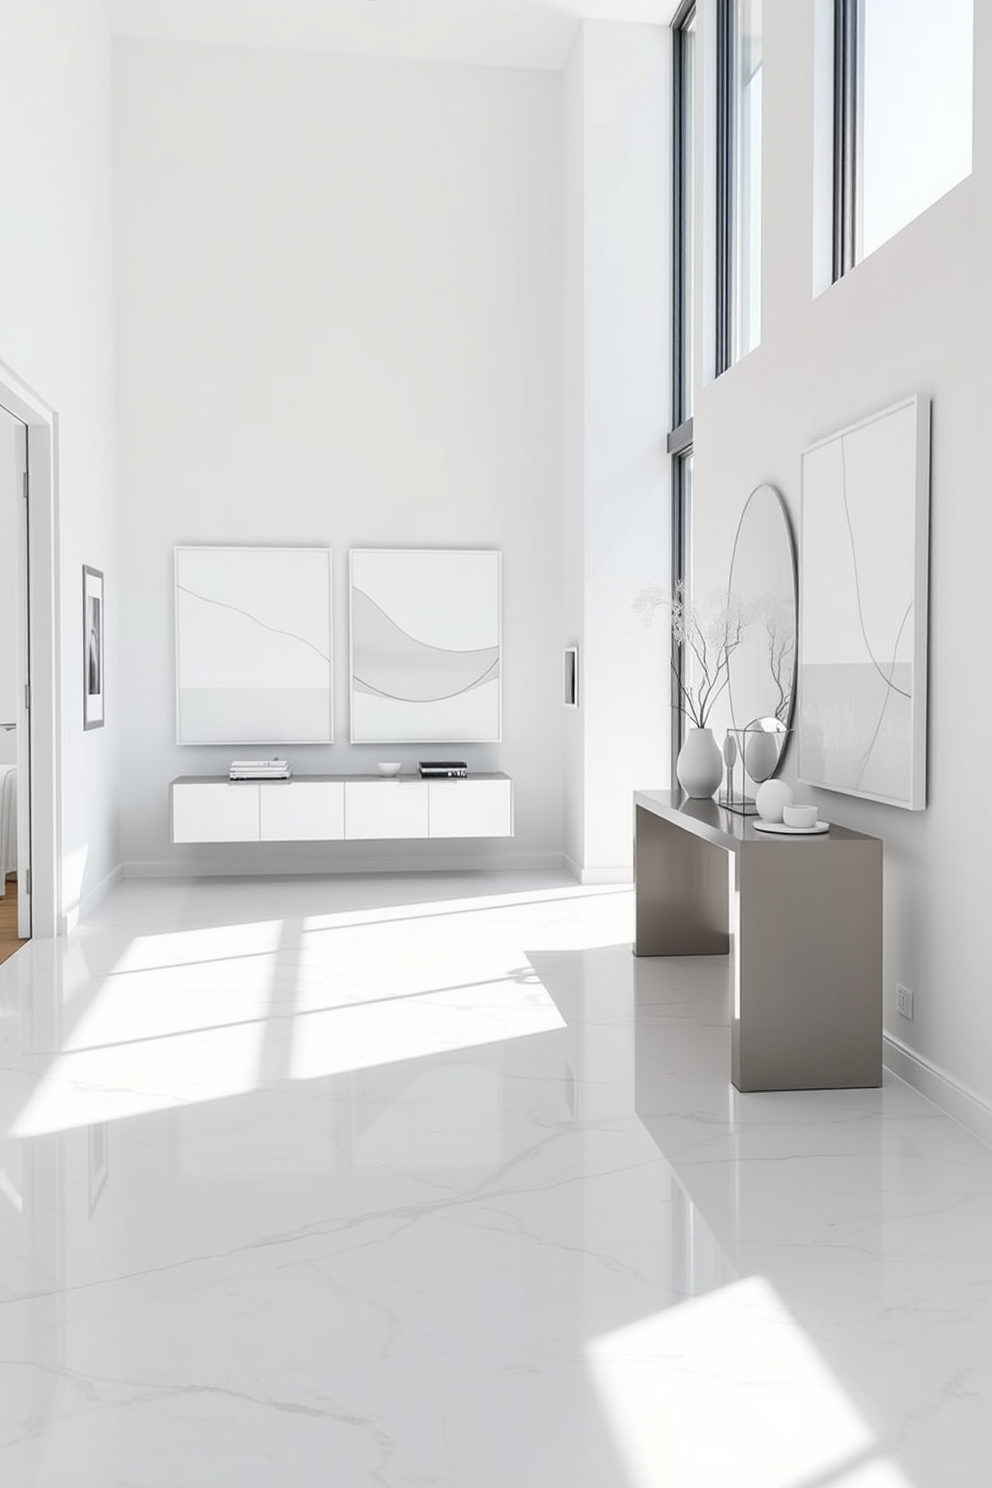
(617, 192)
(339, 322)
(56, 333)
(915, 316)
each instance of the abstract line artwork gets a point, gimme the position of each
(863, 597)
(253, 646)
(425, 646)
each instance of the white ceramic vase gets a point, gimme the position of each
(699, 766)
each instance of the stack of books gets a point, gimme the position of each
(272, 769)
(446, 769)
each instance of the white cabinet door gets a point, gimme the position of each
(385, 808)
(302, 811)
(218, 811)
(471, 808)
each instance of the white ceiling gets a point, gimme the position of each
(501, 33)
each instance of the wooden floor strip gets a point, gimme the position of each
(9, 942)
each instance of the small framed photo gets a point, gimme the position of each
(570, 677)
(94, 624)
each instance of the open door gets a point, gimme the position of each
(15, 700)
(24, 686)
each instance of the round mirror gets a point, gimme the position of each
(762, 669)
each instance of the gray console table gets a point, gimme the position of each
(805, 914)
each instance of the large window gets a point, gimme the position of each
(739, 116)
(686, 62)
(902, 115)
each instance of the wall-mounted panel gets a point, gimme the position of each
(253, 646)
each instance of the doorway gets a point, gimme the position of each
(15, 651)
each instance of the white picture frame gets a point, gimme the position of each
(254, 646)
(863, 589)
(425, 645)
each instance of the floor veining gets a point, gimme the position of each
(426, 1182)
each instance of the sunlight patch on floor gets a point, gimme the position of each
(190, 1017)
(134, 1079)
(412, 1026)
(728, 1389)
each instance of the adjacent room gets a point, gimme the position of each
(493, 985)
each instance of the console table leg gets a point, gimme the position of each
(681, 891)
(808, 995)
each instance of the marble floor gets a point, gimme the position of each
(403, 1182)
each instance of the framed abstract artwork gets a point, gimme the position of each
(863, 607)
(93, 648)
(253, 646)
(426, 652)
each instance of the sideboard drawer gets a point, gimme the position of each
(215, 811)
(385, 808)
(471, 808)
(302, 811)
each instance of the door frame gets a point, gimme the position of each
(43, 650)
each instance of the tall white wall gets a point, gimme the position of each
(56, 334)
(618, 411)
(339, 323)
(915, 316)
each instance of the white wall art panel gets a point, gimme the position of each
(253, 646)
(425, 646)
(863, 597)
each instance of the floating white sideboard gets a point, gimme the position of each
(339, 808)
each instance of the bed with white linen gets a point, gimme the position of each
(8, 823)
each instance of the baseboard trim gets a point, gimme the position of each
(265, 867)
(81, 911)
(619, 875)
(966, 1106)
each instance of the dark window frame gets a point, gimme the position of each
(725, 151)
(848, 46)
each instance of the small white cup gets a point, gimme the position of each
(799, 816)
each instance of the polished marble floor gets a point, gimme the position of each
(393, 1183)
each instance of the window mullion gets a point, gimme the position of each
(848, 21)
(724, 184)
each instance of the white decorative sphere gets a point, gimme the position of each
(771, 797)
